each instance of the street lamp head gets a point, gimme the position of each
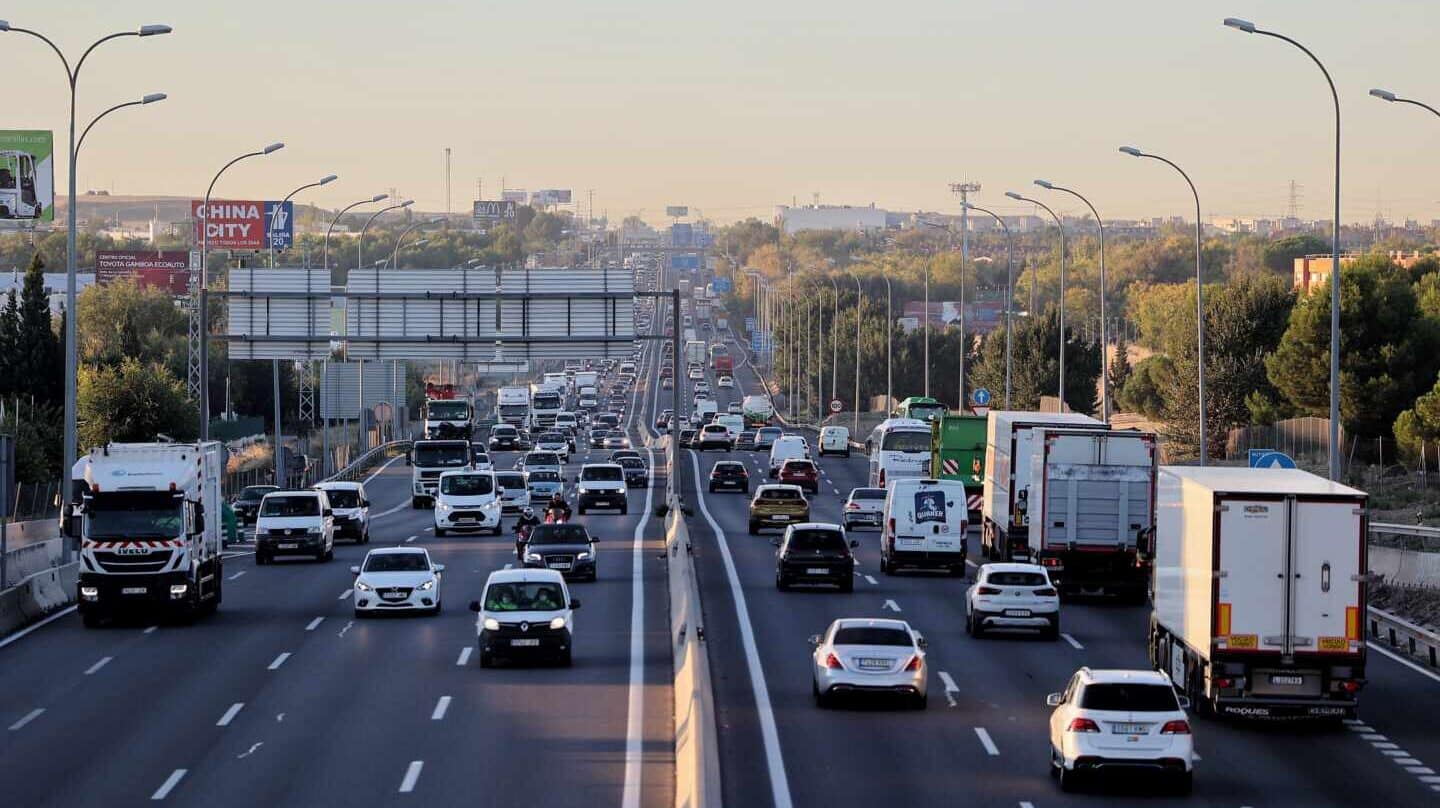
(1046, 184)
(1014, 195)
(436, 220)
(1240, 25)
(1130, 150)
(407, 203)
(154, 30)
(273, 147)
(327, 179)
(421, 243)
(379, 197)
(153, 97)
(1383, 95)
(4, 25)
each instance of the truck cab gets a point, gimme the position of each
(428, 459)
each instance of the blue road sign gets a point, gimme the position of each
(687, 261)
(722, 285)
(749, 324)
(981, 397)
(282, 233)
(1270, 459)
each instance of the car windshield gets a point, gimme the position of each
(441, 456)
(521, 596)
(868, 493)
(779, 493)
(614, 433)
(552, 437)
(542, 459)
(255, 492)
(467, 485)
(133, 514)
(631, 462)
(1016, 579)
(559, 534)
(872, 635)
(925, 412)
(290, 506)
(817, 540)
(544, 476)
(396, 562)
(448, 410)
(722, 469)
(343, 497)
(1128, 697)
(600, 473)
(911, 441)
(546, 401)
(510, 480)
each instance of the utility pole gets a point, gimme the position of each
(447, 180)
(963, 190)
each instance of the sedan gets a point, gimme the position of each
(397, 579)
(637, 475)
(745, 440)
(248, 502)
(864, 506)
(729, 475)
(597, 438)
(696, 374)
(1123, 720)
(869, 656)
(702, 387)
(1007, 596)
(615, 439)
(725, 381)
(568, 549)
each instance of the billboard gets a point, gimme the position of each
(166, 270)
(27, 174)
(243, 224)
(551, 196)
(676, 211)
(688, 261)
(516, 195)
(497, 211)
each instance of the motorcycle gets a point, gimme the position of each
(556, 517)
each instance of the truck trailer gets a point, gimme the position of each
(957, 452)
(1259, 591)
(512, 405)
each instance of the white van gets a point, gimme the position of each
(834, 440)
(787, 447)
(467, 500)
(294, 523)
(525, 612)
(925, 525)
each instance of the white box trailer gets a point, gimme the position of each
(1259, 591)
(1011, 443)
(1094, 492)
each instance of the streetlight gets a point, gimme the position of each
(1060, 225)
(204, 217)
(1249, 28)
(1009, 288)
(72, 362)
(275, 216)
(1104, 344)
(325, 433)
(1199, 294)
(1386, 95)
(859, 298)
(395, 256)
(964, 343)
(149, 98)
(343, 211)
(359, 261)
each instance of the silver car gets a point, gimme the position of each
(864, 506)
(864, 655)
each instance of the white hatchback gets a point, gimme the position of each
(397, 579)
(1012, 596)
(1121, 720)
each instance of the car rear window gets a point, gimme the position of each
(510, 480)
(798, 465)
(559, 534)
(868, 493)
(817, 540)
(729, 468)
(1129, 697)
(1016, 579)
(779, 493)
(872, 635)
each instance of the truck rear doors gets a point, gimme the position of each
(1097, 489)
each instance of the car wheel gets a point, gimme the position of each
(566, 660)
(821, 700)
(848, 585)
(885, 567)
(973, 627)
(712, 488)
(329, 553)
(91, 619)
(624, 509)
(581, 509)
(1069, 779)
(780, 582)
(439, 531)
(496, 531)
(260, 560)
(435, 612)
(365, 537)
(921, 701)
(1052, 632)
(361, 614)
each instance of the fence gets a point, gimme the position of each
(35, 501)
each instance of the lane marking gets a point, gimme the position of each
(389, 511)
(230, 714)
(279, 660)
(950, 687)
(985, 741)
(237, 575)
(150, 630)
(98, 665)
(170, 782)
(345, 594)
(464, 658)
(441, 707)
(412, 773)
(314, 624)
(1024, 804)
(769, 734)
(1407, 663)
(871, 580)
(891, 605)
(635, 714)
(1074, 643)
(30, 716)
(345, 628)
(250, 751)
(409, 540)
(412, 538)
(47, 621)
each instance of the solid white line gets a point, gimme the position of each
(441, 707)
(279, 660)
(170, 782)
(377, 471)
(230, 714)
(30, 716)
(1407, 663)
(412, 773)
(509, 565)
(464, 658)
(871, 579)
(769, 735)
(47, 621)
(635, 714)
(990, 747)
(402, 506)
(1074, 643)
(98, 665)
(345, 594)
(314, 624)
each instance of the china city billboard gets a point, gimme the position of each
(232, 224)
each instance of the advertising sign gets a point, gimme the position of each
(27, 174)
(929, 506)
(676, 211)
(242, 224)
(682, 235)
(167, 270)
(516, 195)
(687, 261)
(497, 211)
(551, 196)
(280, 222)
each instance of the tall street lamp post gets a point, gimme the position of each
(1061, 227)
(859, 297)
(360, 434)
(324, 367)
(1009, 288)
(1104, 343)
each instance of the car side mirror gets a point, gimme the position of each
(574, 603)
(1054, 700)
(922, 643)
(854, 543)
(1184, 702)
(814, 639)
(474, 605)
(354, 570)
(438, 567)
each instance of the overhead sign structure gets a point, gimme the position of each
(749, 324)
(27, 174)
(686, 261)
(682, 235)
(1270, 459)
(166, 270)
(676, 211)
(516, 195)
(243, 224)
(550, 196)
(495, 211)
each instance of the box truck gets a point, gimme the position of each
(1259, 591)
(1010, 443)
(957, 452)
(513, 406)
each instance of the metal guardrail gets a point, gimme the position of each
(1396, 529)
(1405, 637)
(369, 460)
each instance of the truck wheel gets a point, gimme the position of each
(415, 503)
(624, 509)
(754, 528)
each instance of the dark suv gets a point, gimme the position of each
(730, 475)
(815, 553)
(568, 549)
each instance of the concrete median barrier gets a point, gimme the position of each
(697, 756)
(37, 595)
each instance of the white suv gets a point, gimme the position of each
(467, 500)
(601, 485)
(1122, 720)
(1012, 596)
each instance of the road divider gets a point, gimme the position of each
(697, 753)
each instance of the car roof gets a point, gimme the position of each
(1011, 567)
(524, 574)
(778, 486)
(871, 622)
(1121, 676)
(397, 551)
(729, 463)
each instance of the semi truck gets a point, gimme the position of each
(721, 360)
(512, 405)
(546, 401)
(1011, 441)
(448, 414)
(758, 410)
(150, 529)
(1092, 494)
(1259, 591)
(957, 452)
(695, 352)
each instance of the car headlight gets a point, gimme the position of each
(533, 557)
(557, 623)
(583, 554)
(361, 586)
(314, 531)
(442, 506)
(427, 586)
(491, 624)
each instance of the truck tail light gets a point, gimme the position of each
(1082, 725)
(1224, 682)
(882, 478)
(1177, 727)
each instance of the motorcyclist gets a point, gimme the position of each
(523, 526)
(558, 510)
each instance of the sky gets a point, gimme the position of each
(735, 107)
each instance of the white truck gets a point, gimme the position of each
(1011, 442)
(546, 401)
(758, 410)
(695, 352)
(428, 459)
(512, 405)
(151, 529)
(448, 414)
(1095, 495)
(586, 378)
(1259, 591)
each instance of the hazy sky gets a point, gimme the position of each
(733, 107)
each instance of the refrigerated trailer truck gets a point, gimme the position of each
(1011, 441)
(1259, 591)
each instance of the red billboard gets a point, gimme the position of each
(230, 224)
(168, 270)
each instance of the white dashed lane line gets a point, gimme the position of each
(150, 630)
(1074, 643)
(412, 773)
(985, 741)
(98, 665)
(166, 787)
(871, 580)
(230, 714)
(236, 575)
(464, 658)
(314, 624)
(27, 718)
(279, 660)
(891, 605)
(345, 594)
(441, 707)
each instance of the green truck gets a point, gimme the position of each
(957, 452)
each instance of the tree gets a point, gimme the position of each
(37, 360)
(1419, 425)
(37, 441)
(1035, 366)
(134, 401)
(1279, 256)
(120, 320)
(9, 345)
(1120, 369)
(1142, 391)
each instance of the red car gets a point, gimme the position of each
(802, 473)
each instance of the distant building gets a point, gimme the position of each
(54, 286)
(1313, 271)
(832, 217)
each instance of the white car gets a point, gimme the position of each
(834, 440)
(397, 579)
(1012, 596)
(524, 612)
(514, 491)
(1122, 720)
(725, 381)
(351, 509)
(467, 500)
(294, 523)
(696, 374)
(480, 459)
(702, 387)
(869, 656)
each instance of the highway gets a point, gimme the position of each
(983, 739)
(283, 698)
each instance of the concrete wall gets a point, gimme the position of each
(1410, 567)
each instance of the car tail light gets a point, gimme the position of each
(1224, 682)
(1047, 592)
(913, 664)
(1177, 727)
(852, 506)
(882, 478)
(832, 661)
(1050, 562)
(1350, 686)
(1082, 725)
(987, 590)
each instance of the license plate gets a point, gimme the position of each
(1128, 729)
(1292, 681)
(464, 519)
(781, 518)
(525, 643)
(134, 590)
(560, 565)
(816, 571)
(393, 596)
(910, 542)
(873, 664)
(288, 546)
(1017, 612)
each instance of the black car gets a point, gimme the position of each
(815, 554)
(637, 475)
(597, 438)
(729, 475)
(248, 502)
(568, 549)
(505, 439)
(745, 440)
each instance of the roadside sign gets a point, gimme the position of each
(495, 210)
(1270, 459)
(979, 410)
(981, 397)
(749, 324)
(836, 405)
